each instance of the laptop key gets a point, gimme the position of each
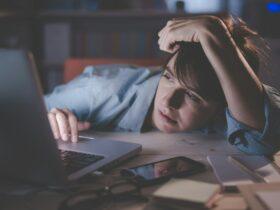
(74, 161)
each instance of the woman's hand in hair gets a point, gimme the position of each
(65, 126)
(186, 30)
(232, 62)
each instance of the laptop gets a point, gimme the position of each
(28, 151)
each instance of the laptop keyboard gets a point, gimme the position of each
(74, 161)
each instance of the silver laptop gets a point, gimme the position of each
(28, 151)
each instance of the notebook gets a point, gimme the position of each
(259, 196)
(229, 175)
(270, 199)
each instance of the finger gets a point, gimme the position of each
(167, 43)
(161, 31)
(54, 110)
(163, 40)
(54, 125)
(160, 41)
(168, 39)
(190, 35)
(83, 126)
(166, 26)
(73, 125)
(181, 23)
(174, 48)
(63, 125)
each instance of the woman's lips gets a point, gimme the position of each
(166, 118)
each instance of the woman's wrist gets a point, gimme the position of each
(214, 29)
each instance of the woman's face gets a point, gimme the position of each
(177, 108)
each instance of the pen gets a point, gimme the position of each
(244, 168)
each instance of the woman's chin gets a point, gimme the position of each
(166, 128)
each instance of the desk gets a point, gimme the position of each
(156, 146)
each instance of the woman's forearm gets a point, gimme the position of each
(242, 88)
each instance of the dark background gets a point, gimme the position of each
(56, 30)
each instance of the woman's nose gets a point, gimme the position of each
(173, 99)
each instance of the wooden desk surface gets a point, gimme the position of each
(156, 146)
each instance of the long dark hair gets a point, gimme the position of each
(192, 67)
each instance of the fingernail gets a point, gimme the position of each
(74, 138)
(64, 137)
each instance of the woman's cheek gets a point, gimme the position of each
(190, 116)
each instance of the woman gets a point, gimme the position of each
(212, 70)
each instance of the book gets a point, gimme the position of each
(269, 198)
(230, 175)
(185, 192)
(257, 195)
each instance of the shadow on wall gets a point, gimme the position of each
(271, 75)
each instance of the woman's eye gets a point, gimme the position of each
(167, 76)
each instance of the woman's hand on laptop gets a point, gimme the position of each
(64, 124)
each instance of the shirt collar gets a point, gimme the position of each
(134, 118)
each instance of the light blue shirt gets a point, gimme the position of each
(118, 98)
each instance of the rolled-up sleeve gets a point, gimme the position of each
(251, 141)
(75, 96)
(111, 97)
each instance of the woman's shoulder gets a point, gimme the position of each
(120, 71)
(112, 77)
(119, 78)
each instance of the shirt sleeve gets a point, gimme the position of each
(110, 97)
(252, 141)
(74, 95)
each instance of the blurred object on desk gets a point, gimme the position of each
(185, 192)
(230, 174)
(232, 201)
(249, 192)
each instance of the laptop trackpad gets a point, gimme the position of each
(98, 147)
